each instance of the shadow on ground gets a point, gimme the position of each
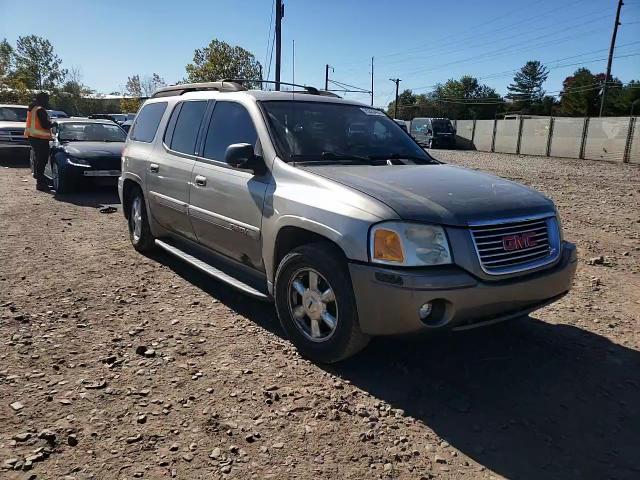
(94, 197)
(526, 399)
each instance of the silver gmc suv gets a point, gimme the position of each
(333, 211)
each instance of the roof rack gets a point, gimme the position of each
(180, 89)
(232, 85)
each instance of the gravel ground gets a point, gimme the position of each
(115, 365)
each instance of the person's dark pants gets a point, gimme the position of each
(40, 149)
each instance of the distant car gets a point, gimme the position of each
(114, 117)
(126, 126)
(433, 132)
(82, 150)
(13, 119)
(57, 114)
(402, 124)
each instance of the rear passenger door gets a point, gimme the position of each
(225, 202)
(170, 169)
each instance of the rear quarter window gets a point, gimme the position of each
(146, 124)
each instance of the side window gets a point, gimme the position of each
(230, 123)
(147, 121)
(187, 126)
(171, 124)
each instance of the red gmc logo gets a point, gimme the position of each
(519, 241)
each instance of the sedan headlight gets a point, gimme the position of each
(409, 244)
(78, 162)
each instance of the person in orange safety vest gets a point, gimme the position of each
(38, 132)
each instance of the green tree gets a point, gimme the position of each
(526, 89)
(466, 98)
(138, 89)
(406, 104)
(36, 64)
(219, 60)
(6, 59)
(580, 94)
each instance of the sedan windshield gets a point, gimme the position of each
(337, 132)
(13, 114)
(90, 132)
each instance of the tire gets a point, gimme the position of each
(62, 183)
(139, 230)
(32, 163)
(294, 289)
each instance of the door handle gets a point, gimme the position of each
(201, 181)
(154, 168)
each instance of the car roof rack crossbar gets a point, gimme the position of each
(181, 89)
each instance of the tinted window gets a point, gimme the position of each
(171, 124)
(187, 126)
(13, 114)
(229, 124)
(147, 122)
(90, 132)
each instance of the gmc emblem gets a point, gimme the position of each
(519, 241)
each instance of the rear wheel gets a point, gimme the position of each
(316, 305)
(139, 230)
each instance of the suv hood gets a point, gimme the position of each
(93, 149)
(7, 124)
(443, 194)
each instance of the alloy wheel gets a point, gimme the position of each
(313, 305)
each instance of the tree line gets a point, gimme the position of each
(467, 98)
(32, 65)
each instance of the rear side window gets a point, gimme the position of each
(187, 126)
(146, 124)
(230, 123)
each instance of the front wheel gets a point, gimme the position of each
(316, 305)
(139, 230)
(62, 183)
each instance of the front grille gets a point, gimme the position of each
(13, 135)
(508, 247)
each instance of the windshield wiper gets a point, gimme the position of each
(402, 156)
(330, 157)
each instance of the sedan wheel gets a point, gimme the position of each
(55, 173)
(136, 219)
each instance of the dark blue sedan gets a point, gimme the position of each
(85, 150)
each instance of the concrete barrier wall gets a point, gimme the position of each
(634, 150)
(506, 136)
(534, 137)
(464, 133)
(606, 138)
(566, 140)
(483, 138)
(615, 139)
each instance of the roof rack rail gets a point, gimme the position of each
(307, 88)
(180, 89)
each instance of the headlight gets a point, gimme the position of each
(409, 244)
(78, 162)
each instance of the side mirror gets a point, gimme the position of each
(240, 155)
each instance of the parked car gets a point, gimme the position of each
(326, 207)
(126, 126)
(402, 124)
(13, 120)
(54, 114)
(84, 150)
(433, 132)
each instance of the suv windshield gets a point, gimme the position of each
(324, 131)
(90, 132)
(13, 114)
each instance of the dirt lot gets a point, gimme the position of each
(114, 365)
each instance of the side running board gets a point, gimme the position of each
(212, 271)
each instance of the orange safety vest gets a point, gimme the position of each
(34, 128)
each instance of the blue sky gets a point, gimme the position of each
(421, 42)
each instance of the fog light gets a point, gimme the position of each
(425, 310)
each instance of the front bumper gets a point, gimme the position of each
(388, 300)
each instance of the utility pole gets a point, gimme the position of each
(611, 49)
(397, 82)
(372, 81)
(279, 16)
(326, 76)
